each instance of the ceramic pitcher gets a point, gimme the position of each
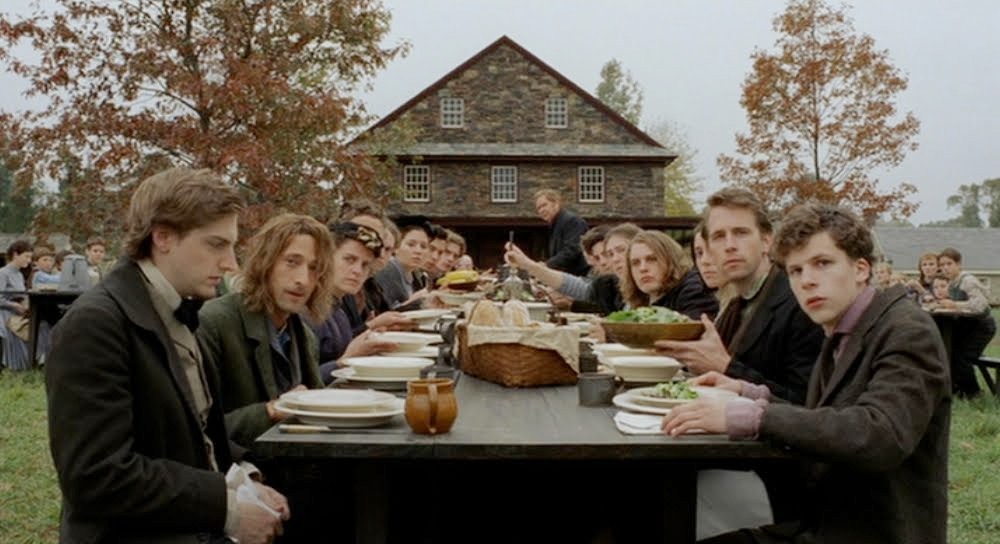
(430, 405)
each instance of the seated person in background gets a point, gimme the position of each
(874, 430)
(368, 308)
(883, 275)
(255, 340)
(928, 266)
(403, 280)
(454, 247)
(602, 292)
(355, 247)
(13, 350)
(96, 248)
(967, 294)
(464, 263)
(45, 276)
(939, 290)
(659, 275)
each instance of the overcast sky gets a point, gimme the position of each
(691, 57)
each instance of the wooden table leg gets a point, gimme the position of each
(371, 492)
(36, 322)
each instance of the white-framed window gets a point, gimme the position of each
(416, 184)
(452, 112)
(590, 181)
(556, 113)
(503, 184)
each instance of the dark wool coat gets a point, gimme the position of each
(877, 434)
(123, 430)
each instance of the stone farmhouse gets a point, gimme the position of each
(504, 124)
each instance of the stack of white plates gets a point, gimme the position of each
(645, 368)
(425, 319)
(346, 408)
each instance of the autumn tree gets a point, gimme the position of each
(16, 208)
(680, 177)
(822, 117)
(260, 91)
(620, 91)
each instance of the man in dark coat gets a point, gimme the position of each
(762, 336)
(565, 230)
(136, 432)
(875, 424)
(256, 339)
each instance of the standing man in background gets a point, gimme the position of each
(565, 230)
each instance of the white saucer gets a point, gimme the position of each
(346, 420)
(339, 401)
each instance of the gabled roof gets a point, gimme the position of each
(980, 248)
(504, 40)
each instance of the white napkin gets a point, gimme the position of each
(631, 423)
(246, 489)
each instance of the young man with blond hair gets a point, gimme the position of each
(257, 339)
(873, 433)
(136, 429)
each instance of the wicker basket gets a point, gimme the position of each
(512, 365)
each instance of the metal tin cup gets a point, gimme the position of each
(596, 389)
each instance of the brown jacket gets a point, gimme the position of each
(877, 435)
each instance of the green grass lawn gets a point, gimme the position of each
(29, 496)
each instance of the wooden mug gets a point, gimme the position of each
(430, 405)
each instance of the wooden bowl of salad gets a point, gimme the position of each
(642, 327)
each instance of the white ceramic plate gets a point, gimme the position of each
(407, 341)
(427, 352)
(645, 368)
(350, 375)
(337, 400)
(627, 401)
(458, 299)
(621, 350)
(346, 420)
(397, 368)
(639, 395)
(429, 315)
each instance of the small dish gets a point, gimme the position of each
(645, 368)
(397, 368)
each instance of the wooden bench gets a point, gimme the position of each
(985, 364)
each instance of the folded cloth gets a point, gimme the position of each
(630, 423)
(238, 479)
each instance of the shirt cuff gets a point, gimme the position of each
(755, 391)
(232, 515)
(743, 418)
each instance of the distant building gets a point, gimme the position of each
(504, 124)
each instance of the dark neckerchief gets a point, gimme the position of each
(187, 312)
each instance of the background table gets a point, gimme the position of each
(47, 306)
(568, 468)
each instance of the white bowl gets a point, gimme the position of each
(407, 341)
(452, 298)
(645, 368)
(621, 350)
(388, 367)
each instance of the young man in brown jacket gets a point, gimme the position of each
(874, 428)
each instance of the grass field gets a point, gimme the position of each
(29, 496)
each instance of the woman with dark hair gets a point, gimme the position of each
(402, 279)
(14, 350)
(659, 275)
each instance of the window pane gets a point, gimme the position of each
(556, 115)
(417, 183)
(452, 112)
(591, 183)
(503, 184)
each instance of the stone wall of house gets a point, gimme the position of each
(463, 189)
(504, 99)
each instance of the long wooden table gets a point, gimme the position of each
(569, 469)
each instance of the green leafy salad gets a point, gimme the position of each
(648, 314)
(672, 390)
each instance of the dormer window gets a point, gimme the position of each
(556, 113)
(452, 112)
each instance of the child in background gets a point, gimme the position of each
(45, 276)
